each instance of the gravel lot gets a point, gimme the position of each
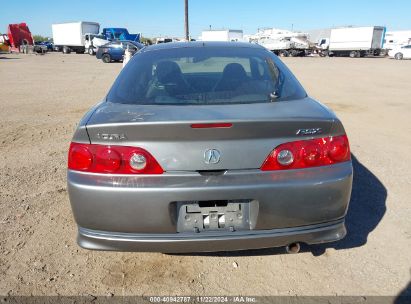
(42, 99)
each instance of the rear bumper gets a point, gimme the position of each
(313, 234)
(140, 212)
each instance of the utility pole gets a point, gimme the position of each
(186, 20)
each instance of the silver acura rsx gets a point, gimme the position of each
(207, 146)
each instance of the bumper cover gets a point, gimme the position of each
(209, 242)
(140, 213)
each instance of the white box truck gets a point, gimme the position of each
(71, 36)
(354, 41)
(222, 35)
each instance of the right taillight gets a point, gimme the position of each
(308, 153)
(111, 159)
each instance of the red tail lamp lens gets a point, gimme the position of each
(311, 153)
(308, 153)
(338, 149)
(112, 159)
(107, 160)
(80, 158)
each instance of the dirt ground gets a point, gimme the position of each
(42, 99)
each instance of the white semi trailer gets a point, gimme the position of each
(354, 41)
(222, 35)
(74, 36)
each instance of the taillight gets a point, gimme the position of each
(339, 149)
(107, 160)
(80, 158)
(111, 159)
(308, 153)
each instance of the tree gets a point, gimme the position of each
(39, 38)
(146, 41)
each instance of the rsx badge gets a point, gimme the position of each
(312, 131)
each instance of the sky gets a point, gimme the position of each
(155, 18)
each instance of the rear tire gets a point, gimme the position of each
(355, 54)
(66, 50)
(295, 53)
(399, 56)
(324, 53)
(106, 58)
(284, 54)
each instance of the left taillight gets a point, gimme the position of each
(111, 159)
(308, 153)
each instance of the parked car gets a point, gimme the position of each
(208, 146)
(49, 45)
(114, 50)
(40, 47)
(402, 52)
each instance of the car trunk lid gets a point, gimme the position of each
(250, 133)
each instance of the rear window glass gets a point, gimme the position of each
(204, 75)
(212, 65)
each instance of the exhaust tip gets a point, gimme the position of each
(293, 248)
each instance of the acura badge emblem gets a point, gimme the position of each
(212, 156)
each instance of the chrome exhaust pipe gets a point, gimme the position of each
(293, 248)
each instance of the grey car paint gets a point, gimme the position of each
(257, 129)
(139, 212)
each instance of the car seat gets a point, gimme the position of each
(233, 77)
(169, 75)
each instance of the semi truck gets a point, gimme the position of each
(395, 39)
(282, 42)
(74, 36)
(354, 42)
(285, 46)
(20, 38)
(117, 33)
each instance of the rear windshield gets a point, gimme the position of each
(205, 75)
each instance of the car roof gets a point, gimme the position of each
(200, 44)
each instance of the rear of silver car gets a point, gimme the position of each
(195, 205)
(214, 182)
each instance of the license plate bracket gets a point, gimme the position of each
(231, 215)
